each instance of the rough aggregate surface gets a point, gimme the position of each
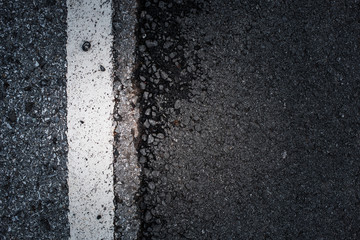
(126, 114)
(33, 188)
(249, 119)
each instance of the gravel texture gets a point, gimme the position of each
(126, 115)
(249, 119)
(33, 188)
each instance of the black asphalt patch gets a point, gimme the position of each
(33, 188)
(250, 119)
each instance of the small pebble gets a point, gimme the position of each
(86, 46)
(151, 44)
(160, 136)
(142, 48)
(177, 104)
(150, 139)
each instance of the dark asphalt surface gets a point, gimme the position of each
(33, 188)
(250, 119)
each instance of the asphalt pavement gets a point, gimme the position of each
(33, 146)
(250, 119)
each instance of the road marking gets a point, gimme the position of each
(89, 119)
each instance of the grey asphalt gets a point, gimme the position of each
(33, 188)
(250, 119)
(126, 168)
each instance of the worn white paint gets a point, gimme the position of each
(89, 119)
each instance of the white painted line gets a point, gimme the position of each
(89, 119)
